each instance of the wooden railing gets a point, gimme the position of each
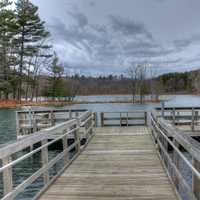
(38, 143)
(182, 116)
(126, 118)
(31, 121)
(180, 155)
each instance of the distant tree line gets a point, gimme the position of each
(138, 85)
(144, 82)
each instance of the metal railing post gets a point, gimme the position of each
(193, 118)
(195, 180)
(77, 136)
(145, 118)
(65, 146)
(45, 161)
(102, 119)
(7, 176)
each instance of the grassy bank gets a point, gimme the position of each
(15, 104)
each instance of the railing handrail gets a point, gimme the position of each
(33, 139)
(120, 118)
(11, 164)
(36, 137)
(176, 149)
(84, 115)
(52, 110)
(169, 108)
(190, 144)
(165, 135)
(132, 111)
(65, 129)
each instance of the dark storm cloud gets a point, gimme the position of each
(184, 43)
(140, 44)
(108, 36)
(82, 36)
(103, 44)
(181, 44)
(129, 27)
(149, 53)
(80, 18)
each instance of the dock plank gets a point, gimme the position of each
(118, 164)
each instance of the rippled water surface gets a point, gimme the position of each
(7, 125)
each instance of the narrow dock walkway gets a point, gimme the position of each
(118, 164)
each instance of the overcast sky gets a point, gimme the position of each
(108, 36)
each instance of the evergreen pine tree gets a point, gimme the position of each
(7, 54)
(56, 84)
(31, 32)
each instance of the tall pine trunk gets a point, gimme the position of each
(21, 67)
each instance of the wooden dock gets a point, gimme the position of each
(119, 163)
(136, 155)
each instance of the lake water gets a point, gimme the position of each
(8, 123)
(8, 129)
(171, 100)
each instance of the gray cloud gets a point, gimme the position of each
(129, 27)
(181, 44)
(80, 18)
(160, 1)
(93, 36)
(184, 43)
(103, 46)
(92, 3)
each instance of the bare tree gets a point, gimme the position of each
(133, 73)
(37, 63)
(142, 87)
(156, 85)
(138, 77)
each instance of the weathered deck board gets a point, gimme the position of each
(118, 164)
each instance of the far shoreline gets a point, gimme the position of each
(14, 104)
(7, 104)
